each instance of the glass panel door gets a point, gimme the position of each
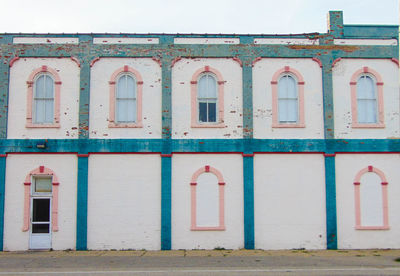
(41, 220)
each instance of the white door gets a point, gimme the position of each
(40, 223)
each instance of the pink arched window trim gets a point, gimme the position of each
(139, 96)
(221, 185)
(57, 87)
(194, 106)
(40, 171)
(379, 97)
(357, 199)
(300, 89)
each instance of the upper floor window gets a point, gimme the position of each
(287, 98)
(288, 102)
(366, 99)
(207, 97)
(43, 98)
(125, 98)
(126, 87)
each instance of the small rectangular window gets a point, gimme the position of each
(43, 185)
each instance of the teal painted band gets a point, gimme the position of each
(2, 198)
(248, 193)
(82, 204)
(200, 145)
(166, 203)
(330, 197)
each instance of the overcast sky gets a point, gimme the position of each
(188, 16)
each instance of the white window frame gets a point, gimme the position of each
(285, 75)
(134, 98)
(375, 99)
(207, 100)
(35, 99)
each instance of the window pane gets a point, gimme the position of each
(131, 87)
(212, 112)
(49, 87)
(212, 87)
(39, 111)
(291, 86)
(202, 112)
(41, 228)
(283, 87)
(365, 88)
(121, 110)
(371, 111)
(282, 110)
(43, 185)
(126, 87)
(131, 110)
(366, 111)
(49, 111)
(292, 110)
(202, 87)
(207, 87)
(41, 209)
(287, 87)
(40, 87)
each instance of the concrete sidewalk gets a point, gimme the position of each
(202, 262)
(207, 253)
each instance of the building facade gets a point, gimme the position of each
(178, 141)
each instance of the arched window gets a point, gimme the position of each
(287, 98)
(126, 87)
(43, 98)
(207, 199)
(371, 200)
(207, 96)
(125, 99)
(367, 99)
(288, 101)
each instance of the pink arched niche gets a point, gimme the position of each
(354, 107)
(139, 97)
(300, 89)
(40, 171)
(194, 105)
(57, 88)
(357, 199)
(193, 185)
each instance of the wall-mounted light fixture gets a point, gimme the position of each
(41, 145)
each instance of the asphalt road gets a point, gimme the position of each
(201, 262)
